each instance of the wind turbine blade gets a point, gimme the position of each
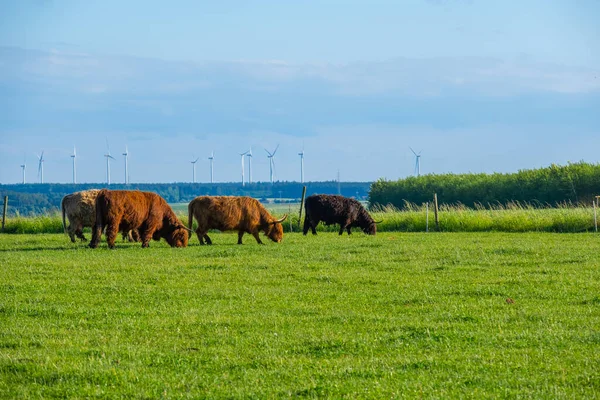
(275, 151)
(412, 150)
(270, 155)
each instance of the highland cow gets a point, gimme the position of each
(230, 213)
(333, 209)
(147, 212)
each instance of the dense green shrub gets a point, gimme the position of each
(575, 183)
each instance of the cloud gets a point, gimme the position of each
(58, 91)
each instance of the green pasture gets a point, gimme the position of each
(415, 315)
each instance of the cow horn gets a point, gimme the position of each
(378, 222)
(278, 221)
(186, 228)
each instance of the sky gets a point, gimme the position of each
(471, 86)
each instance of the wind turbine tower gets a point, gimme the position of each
(271, 162)
(74, 156)
(23, 166)
(301, 154)
(108, 157)
(211, 158)
(249, 155)
(126, 154)
(417, 161)
(243, 154)
(194, 170)
(41, 167)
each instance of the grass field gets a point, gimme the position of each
(438, 315)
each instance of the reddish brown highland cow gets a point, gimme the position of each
(132, 209)
(232, 213)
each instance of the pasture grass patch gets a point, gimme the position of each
(443, 315)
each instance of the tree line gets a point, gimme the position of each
(575, 183)
(36, 198)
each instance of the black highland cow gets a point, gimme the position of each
(333, 209)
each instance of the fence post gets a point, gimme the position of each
(435, 204)
(427, 217)
(301, 207)
(595, 203)
(4, 212)
(290, 215)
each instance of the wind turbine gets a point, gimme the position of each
(271, 162)
(23, 166)
(194, 170)
(301, 154)
(249, 155)
(211, 158)
(417, 162)
(243, 154)
(41, 167)
(74, 156)
(126, 154)
(108, 157)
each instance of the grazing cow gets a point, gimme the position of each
(80, 209)
(132, 209)
(333, 209)
(231, 213)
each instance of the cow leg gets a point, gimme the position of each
(309, 223)
(201, 235)
(306, 225)
(96, 235)
(146, 236)
(349, 228)
(208, 241)
(79, 233)
(256, 236)
(112, 231)
(71, 233)
(313, 227)
(342, 228)
(241, 233)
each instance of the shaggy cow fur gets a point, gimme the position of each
(147, 212)
(231, 213)
(80, 209)
(333, 209)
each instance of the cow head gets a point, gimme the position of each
(370, 229)
(275, 230)
(177, 236)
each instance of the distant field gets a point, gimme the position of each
(438, 315)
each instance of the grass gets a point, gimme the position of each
(438, 315)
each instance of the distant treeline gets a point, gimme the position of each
(36, 198)
(575, 183)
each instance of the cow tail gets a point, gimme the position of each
(62, 207)
(190, 214)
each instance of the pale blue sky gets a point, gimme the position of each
(479, 86)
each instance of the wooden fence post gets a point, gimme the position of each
(4, 212)
(595, 203)
(301, 207)
(435, 204)
(290, 215)
(427, 217)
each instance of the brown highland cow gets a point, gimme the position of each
(232, 213)
(147, 212)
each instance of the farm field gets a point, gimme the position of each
(437, 315)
